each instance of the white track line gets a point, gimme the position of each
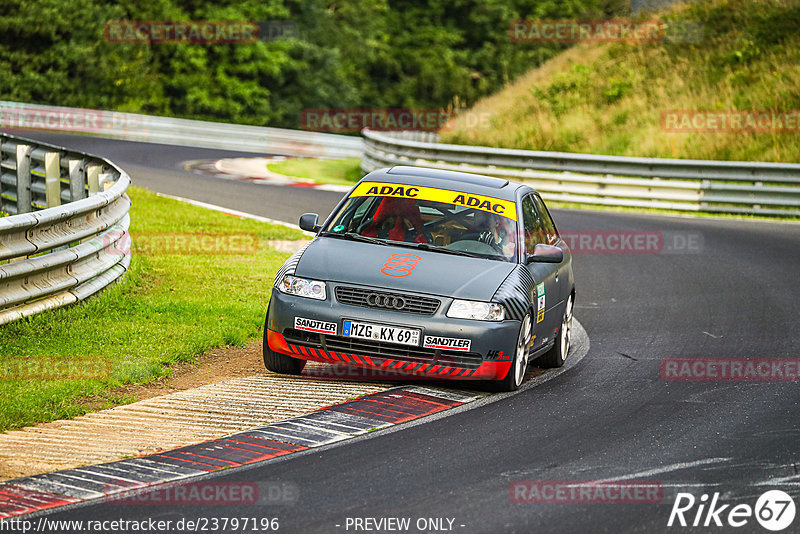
(667, 469)
(235, 213)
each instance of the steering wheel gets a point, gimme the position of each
(413, 232)
(488, 239)
(484, 238)
(471, 245)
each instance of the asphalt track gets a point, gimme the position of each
(611, 417)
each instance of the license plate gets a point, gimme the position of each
(378, 332)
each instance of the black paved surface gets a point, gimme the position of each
(610, 417)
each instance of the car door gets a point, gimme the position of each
(564, 275)
(547, 289)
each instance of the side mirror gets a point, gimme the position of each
(545, 254)
(309, 222)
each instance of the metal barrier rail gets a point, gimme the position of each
(51, 254)
(183, 132)
(692, 185)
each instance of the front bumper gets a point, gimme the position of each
(489, 356)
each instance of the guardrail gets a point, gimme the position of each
(691, 185)
(51, 254)
(183, 132)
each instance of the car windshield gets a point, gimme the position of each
(429, 224)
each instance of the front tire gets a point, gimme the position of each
(556, 356)
(280, 363)
(516, 373)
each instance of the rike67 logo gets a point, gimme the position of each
(774, 510)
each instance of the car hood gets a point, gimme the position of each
(435, 273)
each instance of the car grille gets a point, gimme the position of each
(356, 296)
(468, 360)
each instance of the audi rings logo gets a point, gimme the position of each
(377, 300)
(399, 265)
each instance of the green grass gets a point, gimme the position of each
(608, 98)
(325, 171)
(168, 309)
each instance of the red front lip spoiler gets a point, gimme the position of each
(486, 371)
(278, 343)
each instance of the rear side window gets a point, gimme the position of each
(551, 234)
(534, 229)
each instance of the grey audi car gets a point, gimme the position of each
(427, 272)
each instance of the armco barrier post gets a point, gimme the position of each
(104, 181)
(77, 180)
(52, 173)
(23, 179)
(93, 179)
(2, 188)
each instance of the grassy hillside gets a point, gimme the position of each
(608, 98)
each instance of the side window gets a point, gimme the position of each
(551, 234)
(534, 230)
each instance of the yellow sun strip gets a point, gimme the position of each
(505, 208)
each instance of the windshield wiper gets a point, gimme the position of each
(422, 246)
(355, 237)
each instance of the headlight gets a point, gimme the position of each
(481, 311)
(292, 285)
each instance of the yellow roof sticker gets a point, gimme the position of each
(506, 208)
